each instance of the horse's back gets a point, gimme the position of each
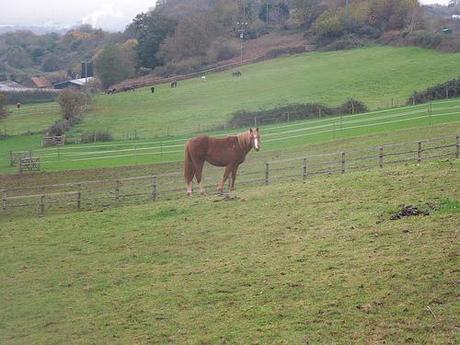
(197, 146)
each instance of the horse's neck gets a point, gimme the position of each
(245, 142)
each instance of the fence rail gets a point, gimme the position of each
(86, 195)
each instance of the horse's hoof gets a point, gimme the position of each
(189, 193)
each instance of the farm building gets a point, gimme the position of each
(74, 83)
(39, 82)
(9, 85)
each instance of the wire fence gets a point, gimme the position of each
(172, 148)
(104, 193)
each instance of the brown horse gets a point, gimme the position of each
(228, 152)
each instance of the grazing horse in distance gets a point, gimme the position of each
(236, 74)
(174, 84)
(152, 89)
(228, 152)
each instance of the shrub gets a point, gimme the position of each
(353, 106)
(73, 103)
(424, 39)
(2, 105)
(185, 66)
(345, 42)
(327, 27)
(222, 50)
(273, 53)
(61, 126)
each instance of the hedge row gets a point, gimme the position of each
(35, 96)
(293, 112)
(449, 89)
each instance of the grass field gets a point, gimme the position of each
(314, 262)
(293, 263)
(287, 137)
(375, 75)
(30, 118)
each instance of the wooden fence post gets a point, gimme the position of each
(419, 152)
(304, 168)
(381, 157)
(267, 171)
(11, 159)
(154, 188)
(4, 200)
(42, 205)
(457, 145)
(117, 190)
(79, 196)
(343, 162)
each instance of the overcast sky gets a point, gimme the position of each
(99, 13)
(108, 14)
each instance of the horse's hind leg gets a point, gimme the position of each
(198, 175)
(189, 173)
(220, 187)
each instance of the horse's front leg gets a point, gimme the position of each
(234, 170)
(228, 170)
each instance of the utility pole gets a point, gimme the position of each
(268, 11)
(347, 19)
(242, 30)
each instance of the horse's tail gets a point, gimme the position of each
(189, 169)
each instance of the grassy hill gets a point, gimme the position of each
(379, 76)
(292, 263)
(374, 75)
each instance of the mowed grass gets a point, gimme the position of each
(374, 75)
(278, 140)
(317, 262)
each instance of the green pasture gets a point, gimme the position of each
(288, 139)
(379, 76)
(30, 118)
(293, 263)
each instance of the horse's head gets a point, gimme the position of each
(255, 138)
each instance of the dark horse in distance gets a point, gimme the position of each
(228, 152)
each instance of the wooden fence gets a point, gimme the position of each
(29, 164)
(90, 195)
(15, 157)
(53, 140)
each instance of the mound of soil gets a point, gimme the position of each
(408, 211)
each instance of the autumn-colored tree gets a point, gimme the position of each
(73, 103)
(114, 63)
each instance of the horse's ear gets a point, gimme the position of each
(250, 130)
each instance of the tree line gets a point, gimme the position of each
(182, 36)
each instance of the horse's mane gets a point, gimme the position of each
(244, 140)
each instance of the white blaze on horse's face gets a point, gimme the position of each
(256, 136)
